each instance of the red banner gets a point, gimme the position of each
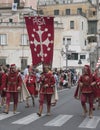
(41, 37)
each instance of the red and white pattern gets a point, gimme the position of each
(41, 37)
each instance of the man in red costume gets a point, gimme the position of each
(1, 92)
(97, 86)
(47, 83)
(12, 83)
(85, 85)
(5, 70)
(31, 85)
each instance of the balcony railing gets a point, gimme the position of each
(12, 24)
(54, 2)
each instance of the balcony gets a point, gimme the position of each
(12, 24)
(9, 5)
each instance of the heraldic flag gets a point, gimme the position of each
(41, 37)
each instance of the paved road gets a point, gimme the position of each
(66, 115)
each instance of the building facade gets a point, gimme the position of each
(79, 26)
(14, 43)
(73, 35)
(26, 3)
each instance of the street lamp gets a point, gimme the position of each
(65, 53)
(80, 62)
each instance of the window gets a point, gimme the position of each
(17, 1)
(3, 39)
(74, 56)
(2, 61)
(67, 11)
(41, 12)
(94, 13)
(24, 40)
(10, 20)
(79, 11)
(92, 27)
(82, 56)
(66, 41)
(71, 24)
(69, 41)
(56, 12)
(92, 39)
(23, 63)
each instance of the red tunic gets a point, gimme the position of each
(1, 75)
(12, 81)
(86, 80)
(47, 82)
(86, 88)
(98, 88)
(31, 84)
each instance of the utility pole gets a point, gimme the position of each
(66, 53)
(66, 47)
(98, 29)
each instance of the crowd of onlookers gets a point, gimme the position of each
(64, 78)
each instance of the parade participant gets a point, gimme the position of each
(37, 79)
(31, 86)
(54, 98)
(97, 86)
(95, 77)
(47, 83)
(26, 72)
(3, 93)
(1, 75)
(12, 83)
(85, 86)
(24, 93)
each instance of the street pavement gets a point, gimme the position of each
(66, 115)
